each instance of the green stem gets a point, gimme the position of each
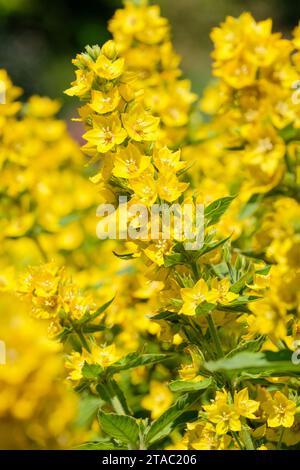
(236, 438)
(247, 438)
(116, 403)
(195, 270)
(81, 336)
(280, 438)
(214, 335)
(83, 340)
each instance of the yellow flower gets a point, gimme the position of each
(130, 163)
(42, 107)
(103, 356)
(157, 250)
(75, 363)
(202, 436)
(127, 21)
(108, 69)
(74, 303)
(165, 160)
(159, 399)
(243, 405)
(222, 287)
(265, 149)
(223, 415)
(139, 124)
(280, 411)
(37, 408)
(106, 133)
(194, 296)
(291, 435)
(169, 187)
(82, 85)
(104, 103)
(40, 285)
(145, 188)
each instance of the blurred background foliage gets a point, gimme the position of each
(38, 38)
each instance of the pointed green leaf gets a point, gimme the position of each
(91, 371)
(88, 318)
(173, 260)
(266, 362)
(133, 360)
(162, 426)
(205, 308)
(208, 247)
(100, 445)
(190, 386)
(166, 316)
(121, 427)
(125, 256)
(214, 211)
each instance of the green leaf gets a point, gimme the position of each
(241, 282)
(125, 256)
(205, 308)
(252, 345)
(190, 386)
(214, 211)
(88, 408)
(208, 247)
(289, 133)
(100, 445)
(264, 271)
(266, 362)
(239, 305)
(121, 427)
(88, 318)
(166, 316)
(64, 334)
(93, 328)
(133, 360)
(91, 371)
(162, 426)
(117, 397)
(173, 260)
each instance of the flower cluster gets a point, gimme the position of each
(142, 37)
(150, 329)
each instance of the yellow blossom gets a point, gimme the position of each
(103, 103)
(280, 411)
(106, 133)
(222, 287)
(244, 406)
(108, 69)
(141, 126)
(130, 163)
(194, 296)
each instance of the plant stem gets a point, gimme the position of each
(280, 438)
(247, 438)
(236, 438)
(114, 399)
(195, 270)
(83, 340)
(214, 335)
(81, 336)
